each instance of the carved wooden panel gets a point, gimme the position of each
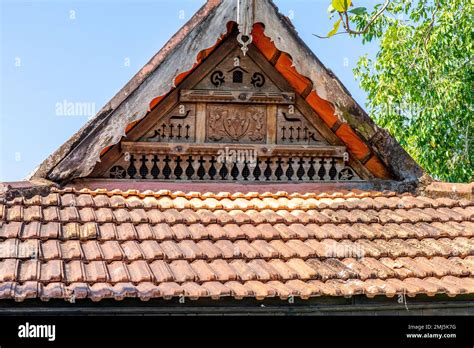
(235, 124)
(179, 126)
(294, 128)
(247, 97)
(237, 72)
(232, 123)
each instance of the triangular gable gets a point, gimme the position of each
(319, 97)
(233, 119)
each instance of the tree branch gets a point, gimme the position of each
(346, 23)
(372, 20)
(428, 35)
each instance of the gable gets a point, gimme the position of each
(320, 97)
(234, 118)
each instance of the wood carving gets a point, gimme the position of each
(178, 126)
(236, 123)
(227, 110)
(293, 128)
(237, 72)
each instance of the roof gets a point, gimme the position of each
(67, 235)
(76, 244)
(187, 49)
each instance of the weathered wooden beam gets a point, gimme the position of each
(264, 150)
(272, 117)
(218, 96)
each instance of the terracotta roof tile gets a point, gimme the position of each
(8, 270)
(74, 271)
(150, 249)
(14, 213)
(139, 271)
(124, 290)
(95, 271)
(238, 290)
(29, 271)
(91, 251)
(243, 270)
(51, 271)
(50, 250)
(126, 231)
(223, 270)
(30, 230)
(50, 230)
(100, 291)
(26, 290)
(170, 290)
(162, 231)
(203, 271)
(10, 230)
(111, 244)
(70, 231)
(216, 290)
(71, 250)
(161, 271)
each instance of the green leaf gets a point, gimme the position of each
(358, 11)
(419, 83)
(341, 5)
(335, 28)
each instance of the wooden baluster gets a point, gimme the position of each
(132, 170)
(235, 171)
(333, 170)
(212, 170)
(268, 169)
(279, 169)
(245, 170)
(257, 171)
(290, 171)
(312, 170)
(201, 172)
(178, 171)
(301, 169)
(322, 170)
(224, 171)
(155, 171)
(143, 167)
(167, 169)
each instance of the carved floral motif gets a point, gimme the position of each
(236, 123)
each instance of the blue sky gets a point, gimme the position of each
(56, 52)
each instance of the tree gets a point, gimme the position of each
(420, 85)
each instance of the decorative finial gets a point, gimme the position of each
(245, 19)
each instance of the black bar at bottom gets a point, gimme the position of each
(288, 330)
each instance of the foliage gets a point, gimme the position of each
(420, 85)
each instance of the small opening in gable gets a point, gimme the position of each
(237, 76)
